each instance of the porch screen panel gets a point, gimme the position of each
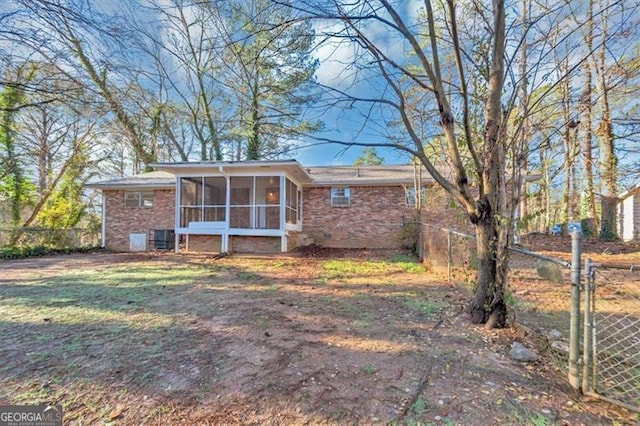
(214, 196)
(267, 202)
(291, 195)
(255, 202)
(241, 202)
(190, 200)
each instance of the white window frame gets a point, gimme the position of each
(340, 196)
(138, 199)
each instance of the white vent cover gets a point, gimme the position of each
(137, 242)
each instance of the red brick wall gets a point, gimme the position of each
(205, 243)
(122, 221)
(373, 220)
(293, 239)
(246, 244)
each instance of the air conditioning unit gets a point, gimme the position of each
(163, 239)
(340, 201)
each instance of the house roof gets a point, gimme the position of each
(149, 180)
(629, 192)
(365, 175)
(294, 168)
(384, 175)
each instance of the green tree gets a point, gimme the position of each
(368, 157)
(271, 67)
(14, 186)
(65, 207)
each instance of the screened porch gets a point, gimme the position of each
(238, 204)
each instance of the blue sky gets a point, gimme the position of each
(336, 71)
(331, 154)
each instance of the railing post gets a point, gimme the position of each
(449, 257)
(587, 327)
(574, 331)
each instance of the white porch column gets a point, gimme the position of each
(176, 222)
(224, 238)
(283, 212)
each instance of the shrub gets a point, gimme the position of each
(20, 252)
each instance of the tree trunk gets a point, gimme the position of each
(608, 231)
(605, 135)
(544, 221)
(568, 148)
(488, 306)
(522, 155)
(253, 142)
(586, 121)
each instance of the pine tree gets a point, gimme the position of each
(272, 76)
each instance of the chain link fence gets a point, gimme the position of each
(47, 237)
(539, 286)
(585, 325)
(612, 333)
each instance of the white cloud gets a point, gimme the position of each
(339, 56)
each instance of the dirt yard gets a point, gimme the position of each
(359, 337)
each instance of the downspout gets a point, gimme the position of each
(103, 237)
(283, 212)
(176, 222)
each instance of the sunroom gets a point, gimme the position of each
(243, 206)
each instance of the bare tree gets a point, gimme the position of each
(458, 60)
(187, 53)
(54, 137)
(488, 209)
(586, 99)
(78, 35)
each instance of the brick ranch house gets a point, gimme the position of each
(267, 206)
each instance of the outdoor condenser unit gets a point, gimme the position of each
(163, 239)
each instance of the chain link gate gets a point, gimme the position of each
(611, 334)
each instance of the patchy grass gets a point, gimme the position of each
(427, 308)
(151, 339)
(363, 269)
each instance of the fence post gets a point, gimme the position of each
(574, 330)
(449, 256)
(587, 327)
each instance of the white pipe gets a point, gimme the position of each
(103, 237)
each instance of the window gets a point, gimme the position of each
(138, 199)
(202, 199)
(412, 196)
(340, 197)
